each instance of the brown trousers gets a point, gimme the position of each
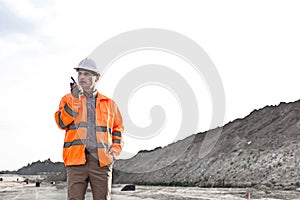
(99, 178)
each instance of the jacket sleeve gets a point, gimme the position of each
(118, 129)
(68, 109)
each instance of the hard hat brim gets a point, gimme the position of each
(86, 69)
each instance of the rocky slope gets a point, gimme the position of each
(51, 171)
(259, 150)
(42, 167)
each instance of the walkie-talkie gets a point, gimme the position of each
(74, 85)
(74, 82)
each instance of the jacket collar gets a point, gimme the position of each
(101, 96)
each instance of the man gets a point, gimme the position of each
(93, 138)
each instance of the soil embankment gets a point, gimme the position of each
(260, 150)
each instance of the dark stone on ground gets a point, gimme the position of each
(37, 184)
(128, 188)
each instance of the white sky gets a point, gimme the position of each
(255, 46)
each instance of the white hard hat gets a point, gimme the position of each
(88, 64)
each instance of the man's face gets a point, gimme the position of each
(86, 79)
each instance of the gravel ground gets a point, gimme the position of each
(10, 189)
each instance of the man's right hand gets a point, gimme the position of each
(76, 90)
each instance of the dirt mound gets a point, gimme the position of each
(259, 150)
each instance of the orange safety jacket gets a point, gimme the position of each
(72, 117)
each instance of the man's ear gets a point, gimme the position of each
(97, 78)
